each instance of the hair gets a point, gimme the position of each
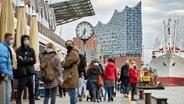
(7, 35)
(69, 41)
(50, 45)
(92, 63)
(111, 60)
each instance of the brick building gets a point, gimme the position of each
(90, 47)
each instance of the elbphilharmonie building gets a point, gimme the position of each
(122, 35)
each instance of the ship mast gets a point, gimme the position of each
(169, 36)
(164, 40)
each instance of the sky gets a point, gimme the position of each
(153, 14)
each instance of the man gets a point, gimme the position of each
(25, 69)
(70, 72)
(6, 73)
(124, 78)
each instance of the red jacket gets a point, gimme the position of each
(110, 72)
(133, 75)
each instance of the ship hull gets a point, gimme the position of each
(170, 68)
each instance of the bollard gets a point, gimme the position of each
(141, 94)
(147, 98)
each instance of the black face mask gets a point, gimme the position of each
(69, 48)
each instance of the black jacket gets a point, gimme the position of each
(25, 66)
(123, 78)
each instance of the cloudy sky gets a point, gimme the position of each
(153, 14)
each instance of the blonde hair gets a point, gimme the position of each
(50, 45)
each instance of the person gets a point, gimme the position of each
(25, 69)
(6, 65)
(93, 72)
(51, 55)
(82, 76)
(124, 78)
(70, 72)
(133, 79)
(37, 83)
(110, 77)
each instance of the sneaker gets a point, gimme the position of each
(37, 98)
(126, 95)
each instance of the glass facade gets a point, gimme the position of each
(122, 35)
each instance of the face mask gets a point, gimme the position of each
(69, 48)
(49, 50)
(96, 64)
(26, 42)
(11, 42)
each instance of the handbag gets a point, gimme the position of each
(100, 81)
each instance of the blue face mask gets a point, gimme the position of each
(11, 42)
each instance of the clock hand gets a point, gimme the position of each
(84, 32)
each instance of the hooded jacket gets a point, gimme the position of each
(25, 66)
(110, 72)
(133, 75)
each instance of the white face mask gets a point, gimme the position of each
(26, 42)
(96, 64)
(49, 50)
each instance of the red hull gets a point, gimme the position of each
(171, 81)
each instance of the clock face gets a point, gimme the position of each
(84, 30)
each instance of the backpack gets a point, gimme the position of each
(82, 65)
(125, 72)
(48, 73)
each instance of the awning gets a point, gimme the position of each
(72, 10)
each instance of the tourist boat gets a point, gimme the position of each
(168, 56)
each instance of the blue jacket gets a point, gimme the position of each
(5, 60)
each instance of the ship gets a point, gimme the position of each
(168, 56)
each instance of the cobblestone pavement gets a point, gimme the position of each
(119, 99)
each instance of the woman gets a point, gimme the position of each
(93, 72)
(51, 87)
(110, 76)
(133, 79)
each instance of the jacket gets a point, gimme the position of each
(25, 66)
(70, 72)
(122, 77)
(93, 73)
(110, 72)
(133, 75)
(56, 63)
(5, 60)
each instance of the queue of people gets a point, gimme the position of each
(67, 74)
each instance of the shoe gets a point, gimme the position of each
(112, 99)
(104, 99)
(132, 99)
(98, 101)
(37, 98)
(126, 95)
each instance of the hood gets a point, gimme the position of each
(111, 64)
(22, 39)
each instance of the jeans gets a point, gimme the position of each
(110, 91)
(23, 82)
(50, 93)
(73, 95)
(133, 89)
(125, 88)
(8, 91)
(95, 91)
(37, 83)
